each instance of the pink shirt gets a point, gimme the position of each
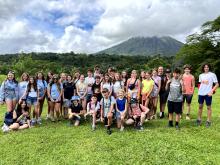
(188, 84)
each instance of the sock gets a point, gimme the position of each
(163, 114)
(177, 123)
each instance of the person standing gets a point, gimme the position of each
(188, 89)
(206, 90)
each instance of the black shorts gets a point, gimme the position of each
(163, 97)
(54, 100)
(187, 98)
(75, 118)
(174, 107)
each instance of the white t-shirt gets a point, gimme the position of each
(93, 107)
(89, 81)
(206, 80)
(117, 86)
(22, 87)
(32, 93)
(107, 85)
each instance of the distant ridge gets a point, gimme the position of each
(149, 46)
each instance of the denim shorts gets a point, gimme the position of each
(118, 115)
(10, 96)
(32, 101)
(187, 98)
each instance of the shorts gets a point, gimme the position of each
(174, 107)
(66, 103)
(163, 97)
(10, 96)
(187, 98)
(32, 101)
(88, 97)
(208, 99)
(54, 100)
(118, 115)
(75, 118)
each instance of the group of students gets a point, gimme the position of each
(108, 98)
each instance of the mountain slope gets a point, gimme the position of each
(149, 46)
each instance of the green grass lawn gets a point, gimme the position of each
(56, 143)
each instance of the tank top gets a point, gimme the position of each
(121, 104)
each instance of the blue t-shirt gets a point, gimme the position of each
(54, 91)
(41, 85)
(121, 104)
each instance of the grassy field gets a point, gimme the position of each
(56, 143)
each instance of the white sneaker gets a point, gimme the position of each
(48, 117)
(39, 121)
(5, 128)
(93, 127)
(122, 129)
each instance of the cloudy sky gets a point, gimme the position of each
(92, 25)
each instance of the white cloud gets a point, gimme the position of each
(114, 21)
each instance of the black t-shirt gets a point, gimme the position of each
(163, 83)
(76, 109)
(68, 90)
(96, 89)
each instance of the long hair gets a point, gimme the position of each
(43, 78)
(57, 83)
(48, 78)
(109, 80)
(19, 109)
(14, 79)
(25, 73)
(34, 84)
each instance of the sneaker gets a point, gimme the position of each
(147, 120)
(161, 115)
(33, 122)
(198, 122)
(122, 129)
(187, 117)
(47, 117)
(5, 128)
(39, 121)
(177, 127)
(141, 128)
(109, 132)
(93, 128)
(208, 124)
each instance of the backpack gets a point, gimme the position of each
(8, 120)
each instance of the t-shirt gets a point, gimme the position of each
(22, 87)
(188, 84)
(147, 85)
(121, 104)
(68, 88)
(156, 80)
(175, 94)
(54, 91)
(206, 80)
(96, 88)
(163, 83)
(42, 86)
(32, 93)
(93, 107)
(89, 81)
(117, 86)
(82, 87)
(107, 85)
(106, 104)
(76, 109)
